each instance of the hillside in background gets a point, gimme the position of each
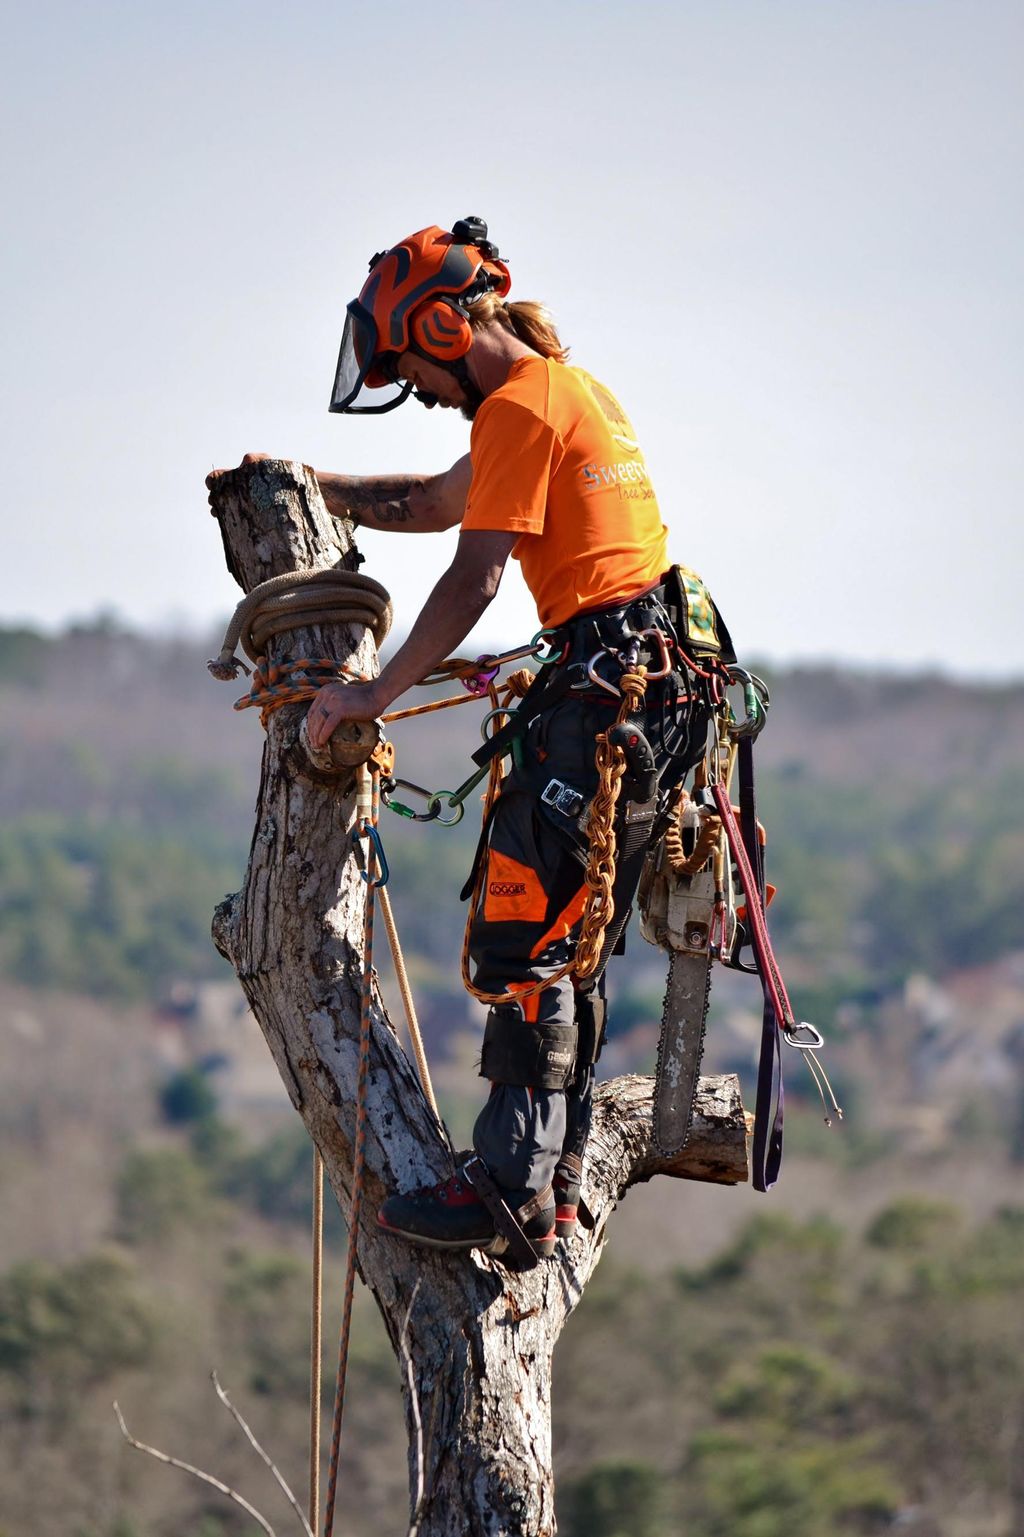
(861, 1326)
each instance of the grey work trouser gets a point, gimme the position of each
(528, 923)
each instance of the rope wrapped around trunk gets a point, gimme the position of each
(297, 600)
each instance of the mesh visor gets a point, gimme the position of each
(356, 376)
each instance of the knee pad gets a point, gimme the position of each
(536, 1056)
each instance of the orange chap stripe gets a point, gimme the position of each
(530, 1006)
(570, 915)
(512, 891)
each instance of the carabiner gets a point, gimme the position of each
(435, 804)
(666, 660)
(595, 676)
(387, 789)
(756, 700)
(813, 1041)
(369, 830)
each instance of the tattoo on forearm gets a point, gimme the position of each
(371, 498)
(392, 512)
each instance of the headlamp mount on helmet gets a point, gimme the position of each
(415, 300)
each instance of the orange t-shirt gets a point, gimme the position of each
(555, 461)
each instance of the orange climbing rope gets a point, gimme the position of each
(368, 807)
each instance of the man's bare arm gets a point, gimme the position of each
(404, 504)
(451, 611)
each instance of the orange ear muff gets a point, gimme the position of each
(440, 331)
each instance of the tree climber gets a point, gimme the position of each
(555, 479)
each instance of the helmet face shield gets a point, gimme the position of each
(359, 370)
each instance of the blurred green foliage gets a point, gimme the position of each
(188, 1096)
(159, 1192)
(616, 1499)
(68, 1327)
(107, 910)
(807, 1379)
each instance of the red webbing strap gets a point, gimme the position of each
(769, 1108)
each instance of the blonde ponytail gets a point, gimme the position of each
(526, 318)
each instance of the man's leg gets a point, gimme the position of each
(525, 930)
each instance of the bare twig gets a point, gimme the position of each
(186, 1467)
(247, 1432)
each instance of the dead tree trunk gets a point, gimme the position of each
(480, 1337)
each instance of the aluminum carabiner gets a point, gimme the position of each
(666, 659)
(369, 830)
(595, 676)
(756, 700)
(813, 1041)
(387, 789)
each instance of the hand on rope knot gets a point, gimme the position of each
(292, 681)
(337, 702)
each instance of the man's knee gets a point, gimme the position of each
(539, 1054)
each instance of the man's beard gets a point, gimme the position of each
(474, 400)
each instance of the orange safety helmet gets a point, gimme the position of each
(415, 300)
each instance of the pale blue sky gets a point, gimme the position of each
(787, 235)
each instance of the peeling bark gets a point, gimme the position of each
(480, 1337)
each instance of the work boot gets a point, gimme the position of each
(450, 1215)
(570, 1206)
(566, 1187)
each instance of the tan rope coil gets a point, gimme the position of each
(297, 600)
